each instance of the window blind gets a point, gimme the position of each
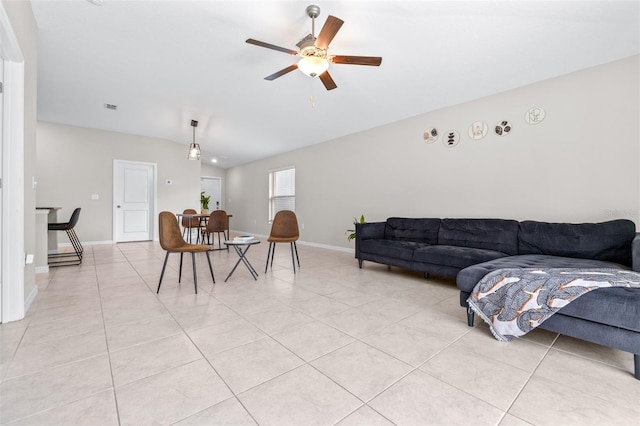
(282, 189)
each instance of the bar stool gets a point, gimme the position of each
(75, 242)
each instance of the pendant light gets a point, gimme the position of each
(194, 148)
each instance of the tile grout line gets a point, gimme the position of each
(106, 341)
(186, 334)
(533, 371)
(61, 365)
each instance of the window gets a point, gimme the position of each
(282, 191)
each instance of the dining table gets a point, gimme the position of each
(203, 218)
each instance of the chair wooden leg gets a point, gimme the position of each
(195, 279)
(162, 273)
(293, 262)
(210, 268)
(180, 273)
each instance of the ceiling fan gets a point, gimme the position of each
(315, 60)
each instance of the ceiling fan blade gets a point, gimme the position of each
(357, 60)
(281, 72)
(271, 46)
(328, 31)
(328, 82)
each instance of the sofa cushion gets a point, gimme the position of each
(407, 229)
(390, 248)
(499, 235)
(469, 277)
(453, 256)
(615, 306)
(610, 241)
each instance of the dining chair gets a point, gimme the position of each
(68, 227)
(190, 223)
(173, 242)
(284, 229)
(218, 223)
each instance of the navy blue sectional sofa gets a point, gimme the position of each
(468, 249)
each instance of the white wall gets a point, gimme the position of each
(581, 164)
(26, 31)
(74, 162)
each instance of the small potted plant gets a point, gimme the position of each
(351, 233)
(204, 201)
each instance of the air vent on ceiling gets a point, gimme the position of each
(111, 106)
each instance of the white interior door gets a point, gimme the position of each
(134, 200)
(212, 187)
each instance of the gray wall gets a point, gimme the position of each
(580, 164)
(75, 162)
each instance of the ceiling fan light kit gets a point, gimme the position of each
(313, 66)
(315, 60)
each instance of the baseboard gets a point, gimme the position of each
(29, 300)
(85, 243)
(42, 269)
(304, 243)
(326, 246)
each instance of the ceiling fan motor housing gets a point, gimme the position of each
(313, 11)
(308, 48)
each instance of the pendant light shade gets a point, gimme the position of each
(194, 148)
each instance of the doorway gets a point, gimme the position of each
(211, 186)
(134, 199)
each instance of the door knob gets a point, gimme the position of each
(118, 206)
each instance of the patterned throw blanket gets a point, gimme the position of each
(515, 301)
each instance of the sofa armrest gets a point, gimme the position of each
(368, 230)
(635, 253)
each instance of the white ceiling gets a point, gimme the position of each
(164, 63)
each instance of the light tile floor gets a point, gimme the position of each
(331, 344)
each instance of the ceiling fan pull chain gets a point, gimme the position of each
(312, 99)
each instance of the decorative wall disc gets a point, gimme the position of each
(451, 138)
(534, 116)
(430, 135)
(503, 128)
(478, 130)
